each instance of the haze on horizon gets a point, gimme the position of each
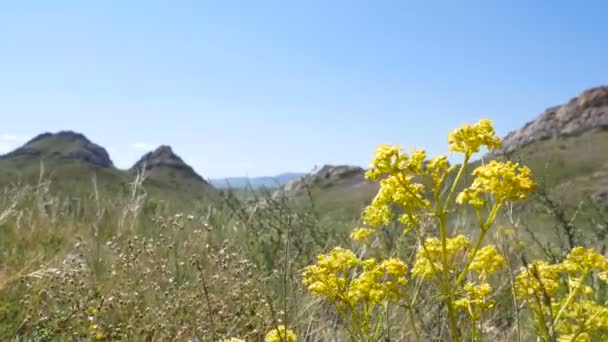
(263, 88)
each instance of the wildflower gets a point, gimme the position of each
(582, 319)
(413, 164)
(438, 168)
(469, 138)
(583, 260)
(487, 260)
(385, 158)
(232, 339)
(401, 190)
(379, 282)
(280, 334)
(329, 277)
(539, 278)
(427, 265)
(377, 214)
(476, 300)
(361, 234)
(503, 180)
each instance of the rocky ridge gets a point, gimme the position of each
(325, 176)
(588, 111)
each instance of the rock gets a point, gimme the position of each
(164, 156)
(325, 176)
(64, 144)
(586, 112)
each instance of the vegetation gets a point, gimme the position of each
(476, 251)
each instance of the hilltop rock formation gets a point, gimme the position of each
(164, 156)
(325, 176)
(64, 144)
(585, 112)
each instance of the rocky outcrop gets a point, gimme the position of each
(325, 176)
(586, 112)
(164, 156)
(64, 144)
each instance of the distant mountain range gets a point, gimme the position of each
(256, 182)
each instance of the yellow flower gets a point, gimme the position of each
(476, 300)
(361, 234)
(280, 334)
(401, 190)
(329, 277)
(379, 282)
(469, 139)
(232, 339)
(385, 159)
(538, 279)
(504, 180)
(428, 265)
(585, 317)
(583, 260)
(438, 168)
(487, 260)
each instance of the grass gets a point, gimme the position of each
(95, 254)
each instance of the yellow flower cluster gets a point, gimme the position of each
(361, 234)
(379, 282)
(386, 158)
(280, 334)
(539, 278)
(469, 138)
(577, 317)
(487, 260)
(329, 277)
(428, 256)
(582, 320)
(438, 168)
(476, 300)
(505, 181)
(583, 260)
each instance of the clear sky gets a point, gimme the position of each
(258, 88)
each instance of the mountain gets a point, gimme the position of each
(584, 113)
(165, 169)
(71, 162)
(341, 189)
(566, 147)
(256, 182)
(63, 145)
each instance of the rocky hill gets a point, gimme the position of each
(588, 111)
(164, 156)
(325, 176)
(63, 145)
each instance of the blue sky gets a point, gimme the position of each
(258, 88)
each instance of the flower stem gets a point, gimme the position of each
(410, 313)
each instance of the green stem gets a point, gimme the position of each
(446, 276)
(461, 171)
(413, 321)
(441, 212)
(570, 298)
(484, 230)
